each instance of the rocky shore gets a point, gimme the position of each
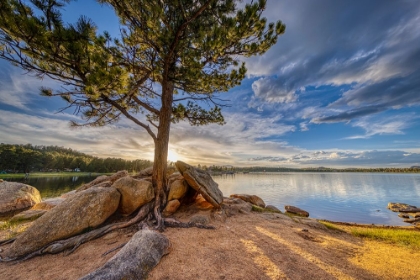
(239, 231)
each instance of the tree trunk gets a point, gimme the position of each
(161, 152)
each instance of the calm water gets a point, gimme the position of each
(54, 186)
(346, 197)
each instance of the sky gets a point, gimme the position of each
(341, 88)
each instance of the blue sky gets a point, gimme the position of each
(341, 88)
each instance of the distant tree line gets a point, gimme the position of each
(229, 168)
(28, 158)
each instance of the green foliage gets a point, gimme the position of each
(191, 48)
(27, 158)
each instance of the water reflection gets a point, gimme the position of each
(350, 197)
(53, 186)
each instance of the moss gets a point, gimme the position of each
(257, 208)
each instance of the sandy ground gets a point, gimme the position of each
(246, 246)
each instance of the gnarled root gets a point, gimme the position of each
(7, 241)
(177, 224)
(74, 242)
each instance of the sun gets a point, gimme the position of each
(172, 156)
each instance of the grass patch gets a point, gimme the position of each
(330, 226)
(402, 237)
(10, 225)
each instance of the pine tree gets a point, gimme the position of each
(170, 60)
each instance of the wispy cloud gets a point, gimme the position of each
(378, 58)
(387, 125)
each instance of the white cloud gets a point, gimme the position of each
(383, 126)
(266, 89)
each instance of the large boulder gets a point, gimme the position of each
(253, 199)
(234, 206)
(48, 203)
(105, 181)
(134, 261)
(296, 211)
(178, 188)
(134, 193)
(80, 212)
(28, 215)
(202, 182)
(16, 197)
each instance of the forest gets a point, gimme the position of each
(27, 158)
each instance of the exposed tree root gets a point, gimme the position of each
(74, 242)
(7, 241)
(177, 224)
(113, 249)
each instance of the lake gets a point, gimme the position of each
(346, 197)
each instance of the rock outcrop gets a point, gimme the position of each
(253, 199)
(233, 206)
(134, 193)
(105, 181)
(402, 207)
(178, 188)
(15, 197)
(296, 211)
(48, 203)
(28, 215)
(202, 182)
(145, 172)
(84, 210)
(171, 207)
(134, 261)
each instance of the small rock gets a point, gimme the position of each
(402, 207)
(296, 211)
(415, 220)
(253, 199)
(171, 207)
(272, 208)
(233, 206)
(200, 219)
(404, 216)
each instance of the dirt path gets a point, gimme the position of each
(248, 246)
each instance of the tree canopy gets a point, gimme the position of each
(171, 59)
